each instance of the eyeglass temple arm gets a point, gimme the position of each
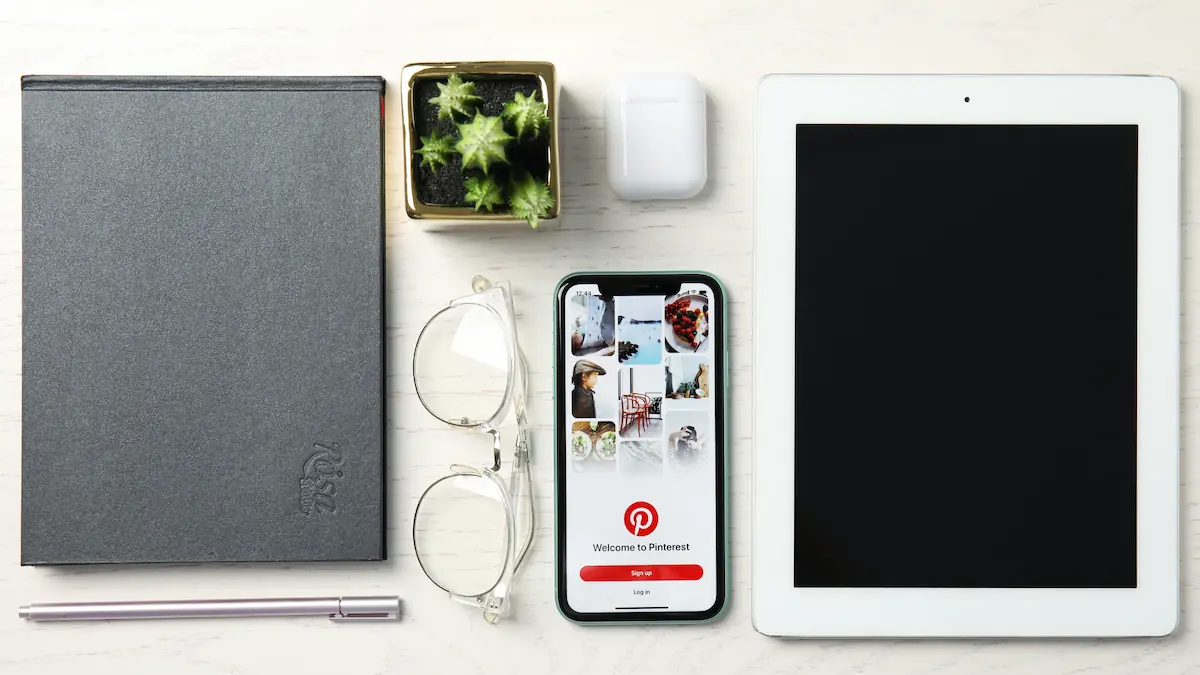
(521, 463)
(521, 485)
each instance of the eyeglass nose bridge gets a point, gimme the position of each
(495, 448)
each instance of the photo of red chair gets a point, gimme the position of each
(634, 410)
(641, 390)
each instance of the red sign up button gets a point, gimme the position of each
(641, 573)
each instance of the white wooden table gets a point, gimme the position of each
(727, 46)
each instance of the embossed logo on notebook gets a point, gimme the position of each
(317, 489)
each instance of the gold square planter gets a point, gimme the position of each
(438, 216)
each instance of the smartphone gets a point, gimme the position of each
(640, 508)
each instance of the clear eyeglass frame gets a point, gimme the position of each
(515, 497)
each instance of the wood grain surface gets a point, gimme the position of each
(727, 46)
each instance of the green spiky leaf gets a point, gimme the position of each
(527, 115)
(481, 142)
(435, 150)
(455, 97)
(484, 192)
(529, 198)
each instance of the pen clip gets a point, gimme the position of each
(384, 616)
(367, 609)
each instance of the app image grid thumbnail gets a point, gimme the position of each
(689, 378)
(640, 457)
(593, 390)
(642, 393)
(688, 320)
(593, 446)
(639, 329)
(690, 439)
(592, 325)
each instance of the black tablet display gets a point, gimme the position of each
(966, 356)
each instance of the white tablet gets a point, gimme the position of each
(966, 356)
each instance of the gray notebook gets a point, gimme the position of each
(203, 320)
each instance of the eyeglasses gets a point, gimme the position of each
(471, 531)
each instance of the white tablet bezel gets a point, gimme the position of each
(1152, 608)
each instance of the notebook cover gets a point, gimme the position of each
(203, 320)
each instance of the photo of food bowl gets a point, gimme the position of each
(687, 323)
(606, 446)
(593, 446)
(581, 445)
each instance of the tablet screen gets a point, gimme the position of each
(966, 356)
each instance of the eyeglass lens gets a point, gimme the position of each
(460, 367)
(460, 533)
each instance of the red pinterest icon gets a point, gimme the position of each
(641, 518)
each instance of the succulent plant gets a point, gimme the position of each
(529, 198)
(526, 114)
(481, 142)
(455, 96)
(484, 192)
(435, 150)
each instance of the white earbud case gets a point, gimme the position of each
(657, 140)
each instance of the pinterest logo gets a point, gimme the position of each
(641, 518)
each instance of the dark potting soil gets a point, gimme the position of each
(444, 187)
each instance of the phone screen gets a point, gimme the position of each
(641, 448)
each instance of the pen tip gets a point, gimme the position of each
(23, 612)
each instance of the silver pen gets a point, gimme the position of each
(376, 608)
